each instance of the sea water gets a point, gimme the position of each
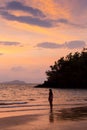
(18, 99)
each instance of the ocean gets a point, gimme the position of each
(16, 98)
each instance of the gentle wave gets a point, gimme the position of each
(26, 104)
(12, 103)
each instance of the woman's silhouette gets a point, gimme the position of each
(50, 98)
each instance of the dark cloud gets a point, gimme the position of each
(27, 19)
(15, 5)
(7, 43)
(75, 44)
(37, 17)
(62, 20)
(67, 22)
(17, 68)
(38, 21)
(49, 45)
(70, 45)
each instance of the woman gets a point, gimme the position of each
(50, 98)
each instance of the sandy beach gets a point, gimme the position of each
(64, 119)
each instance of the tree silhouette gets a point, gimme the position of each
(68, 72)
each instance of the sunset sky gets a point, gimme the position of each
(35, 33)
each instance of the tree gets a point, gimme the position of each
(68, 72)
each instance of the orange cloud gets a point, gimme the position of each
(50, 8)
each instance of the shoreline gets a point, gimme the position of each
(70, 118)
(57, 87)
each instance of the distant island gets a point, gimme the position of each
(14, 82)
(68, 72)
(18, 82)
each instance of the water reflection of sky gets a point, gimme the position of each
(67, 104)
(68, 114)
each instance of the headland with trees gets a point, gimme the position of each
(68, 72)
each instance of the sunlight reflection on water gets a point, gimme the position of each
(34, 96)
(24, 98)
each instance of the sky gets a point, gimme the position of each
(36, 33)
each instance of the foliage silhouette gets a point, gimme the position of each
(68, 72)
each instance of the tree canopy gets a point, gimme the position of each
(68, 72)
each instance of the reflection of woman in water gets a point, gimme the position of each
(50, 98)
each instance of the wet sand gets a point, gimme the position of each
(63, 119)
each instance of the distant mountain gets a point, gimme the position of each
(14, 82)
